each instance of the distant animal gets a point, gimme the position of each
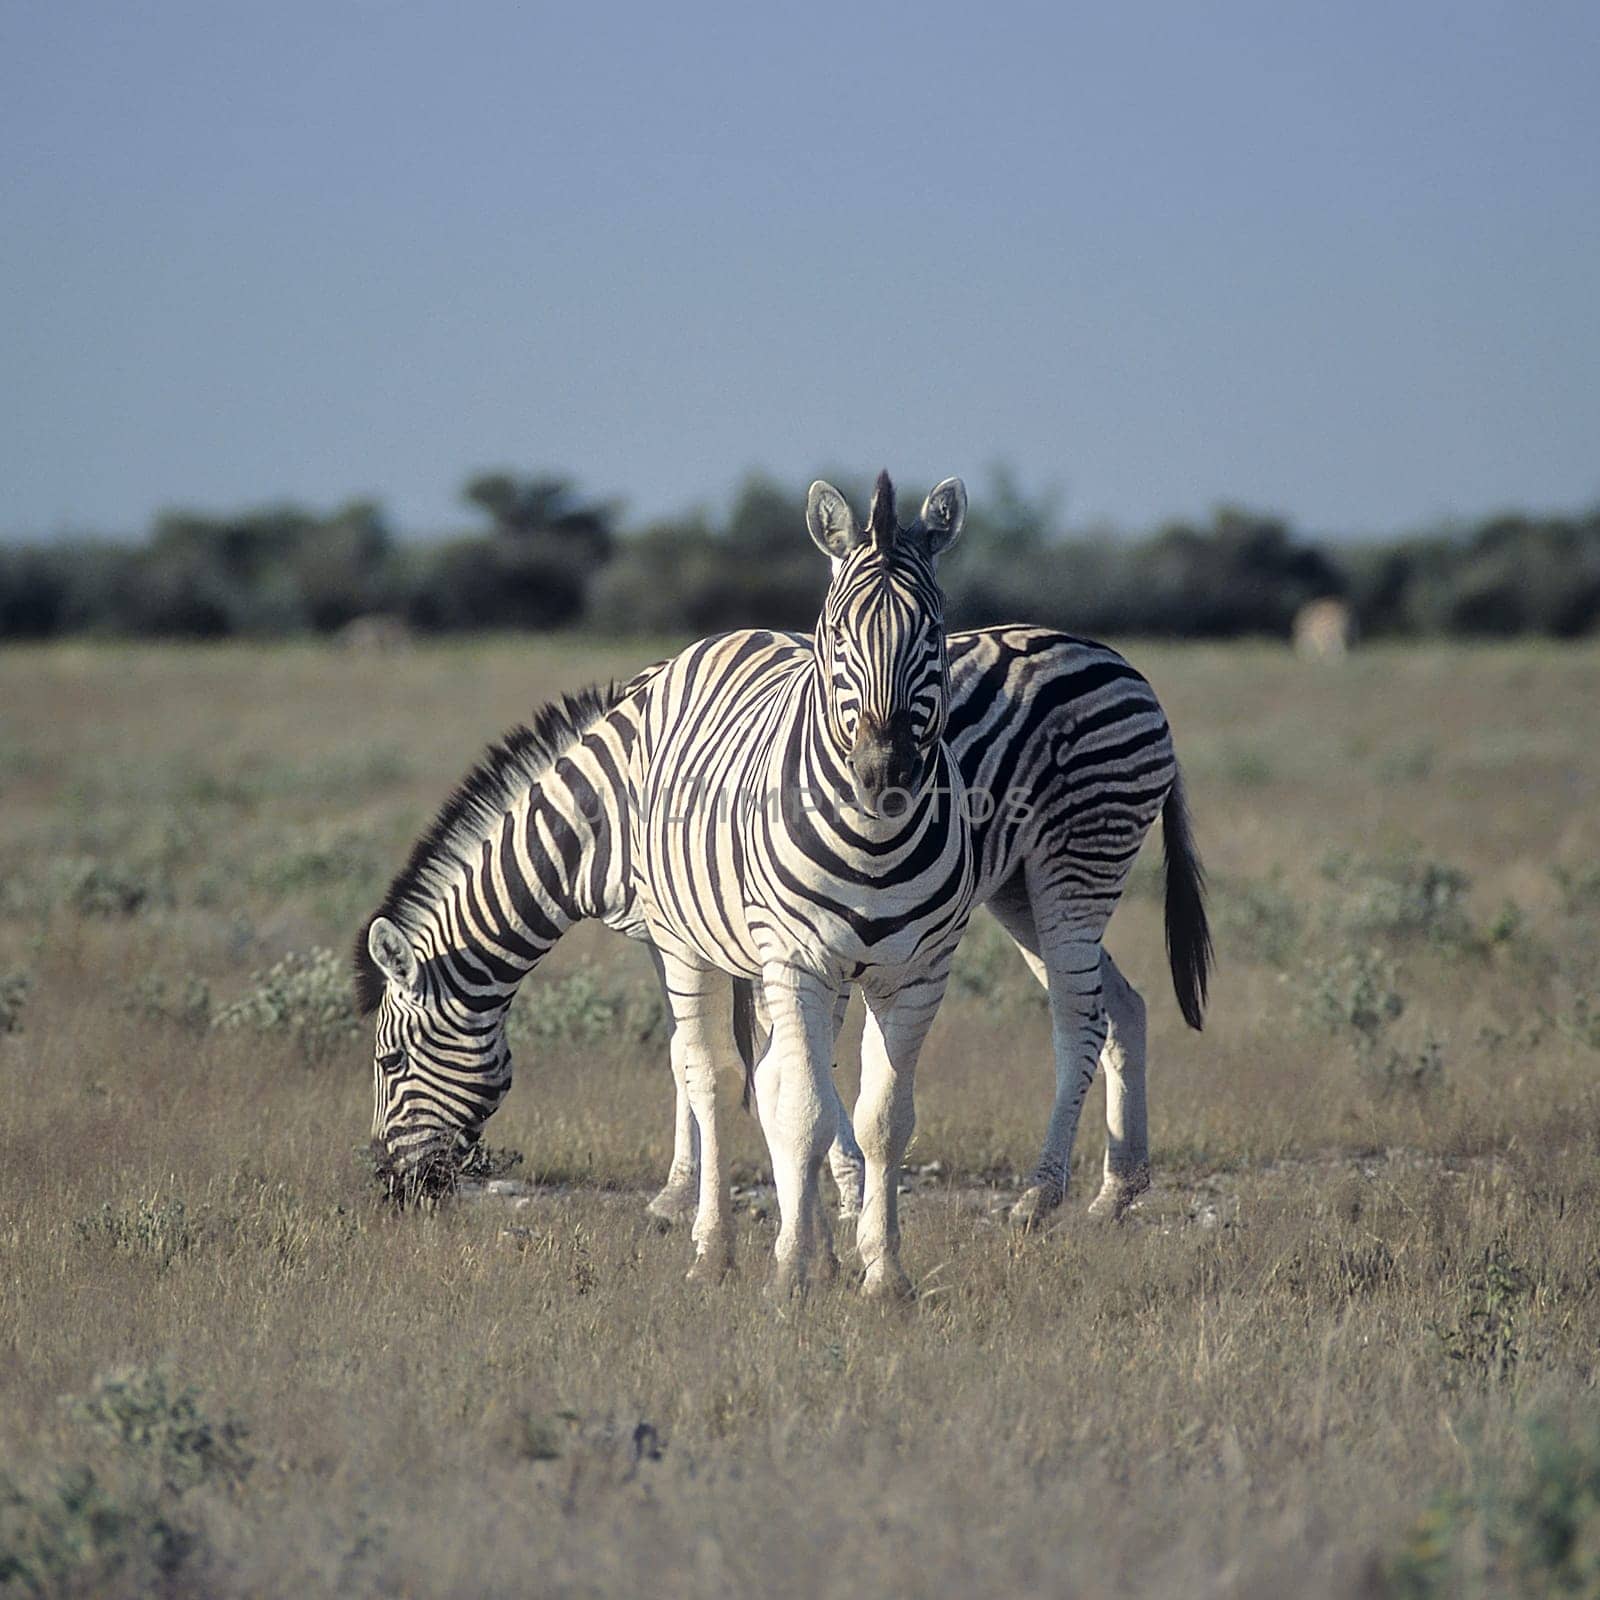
(374, 634)
(794, 816)
(1324, 630)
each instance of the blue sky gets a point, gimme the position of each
(1341, 262)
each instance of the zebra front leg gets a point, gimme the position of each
(845, 1163)
(897, 1023)
(702, 1013)
(797, 1104)
(1127, 1168)
(679, 1195)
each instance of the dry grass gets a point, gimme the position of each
(1372, 1257)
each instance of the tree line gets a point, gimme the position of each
(544, 555)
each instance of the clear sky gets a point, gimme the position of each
(1336, 261)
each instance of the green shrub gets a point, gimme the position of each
(76, 1535)
(186, 1002)
(14, 987)
(1356, 996)
(1258, 919)
(314, 858)
(160, 1229)
(1405, 900)
(96, 888)
(1532, 1531)
(988, 963)
(1483, 1341)
(582, 1010)
(158, 1421)
(120, 1520)
(1580, 888)
(305, 997)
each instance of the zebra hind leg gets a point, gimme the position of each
(703, 1020)
(1078, 1032)
(1011, 906)
(675, 1203)
(1127, 1167)
(678, 1197)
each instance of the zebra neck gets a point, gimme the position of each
(535, 871)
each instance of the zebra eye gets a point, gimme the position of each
(390, 1060)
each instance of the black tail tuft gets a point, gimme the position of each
(1189, 949)
(744, 1033)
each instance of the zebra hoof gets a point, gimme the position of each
(709, 1269)
(886, 1282)
(1033, 1209)
(787, 1282)
(1117, 1193)
(673, 1206)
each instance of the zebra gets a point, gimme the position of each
(843, 858)
(1066, 760)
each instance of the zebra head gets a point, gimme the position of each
(439, 1068)
(880, 640)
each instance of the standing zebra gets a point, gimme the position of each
(790, 816)
(1066, 759)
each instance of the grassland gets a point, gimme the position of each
(1348, 1345)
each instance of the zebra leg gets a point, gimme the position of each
(1070, 953)
(702, 1013)
(897, 1023)
(1127, 1170)
(797, 1102)
(845, 1161)
(1123, 1051)
(676, 1201)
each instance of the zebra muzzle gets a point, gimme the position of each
(886, 767)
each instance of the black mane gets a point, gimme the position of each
(487, 792)
(882, 522)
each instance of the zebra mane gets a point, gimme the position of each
(882, 524)
(477, 804)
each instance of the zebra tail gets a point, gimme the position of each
(744, 1034)
(1189, 949)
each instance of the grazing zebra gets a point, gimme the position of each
(792, 816)
(1066, 760)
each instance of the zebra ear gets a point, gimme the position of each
(830, 521)
(392, 951)
(943, 514)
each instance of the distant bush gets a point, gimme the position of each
(77, 1535)
(584, 1010)
(186, 1002)
(121, 1520)
(550, 558)
(1407, 899)
(14, 987)
(1531, 1528)
(1258, 918)
(103, 888)
(305, 997)
(146, 1412)
(158, 1230)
